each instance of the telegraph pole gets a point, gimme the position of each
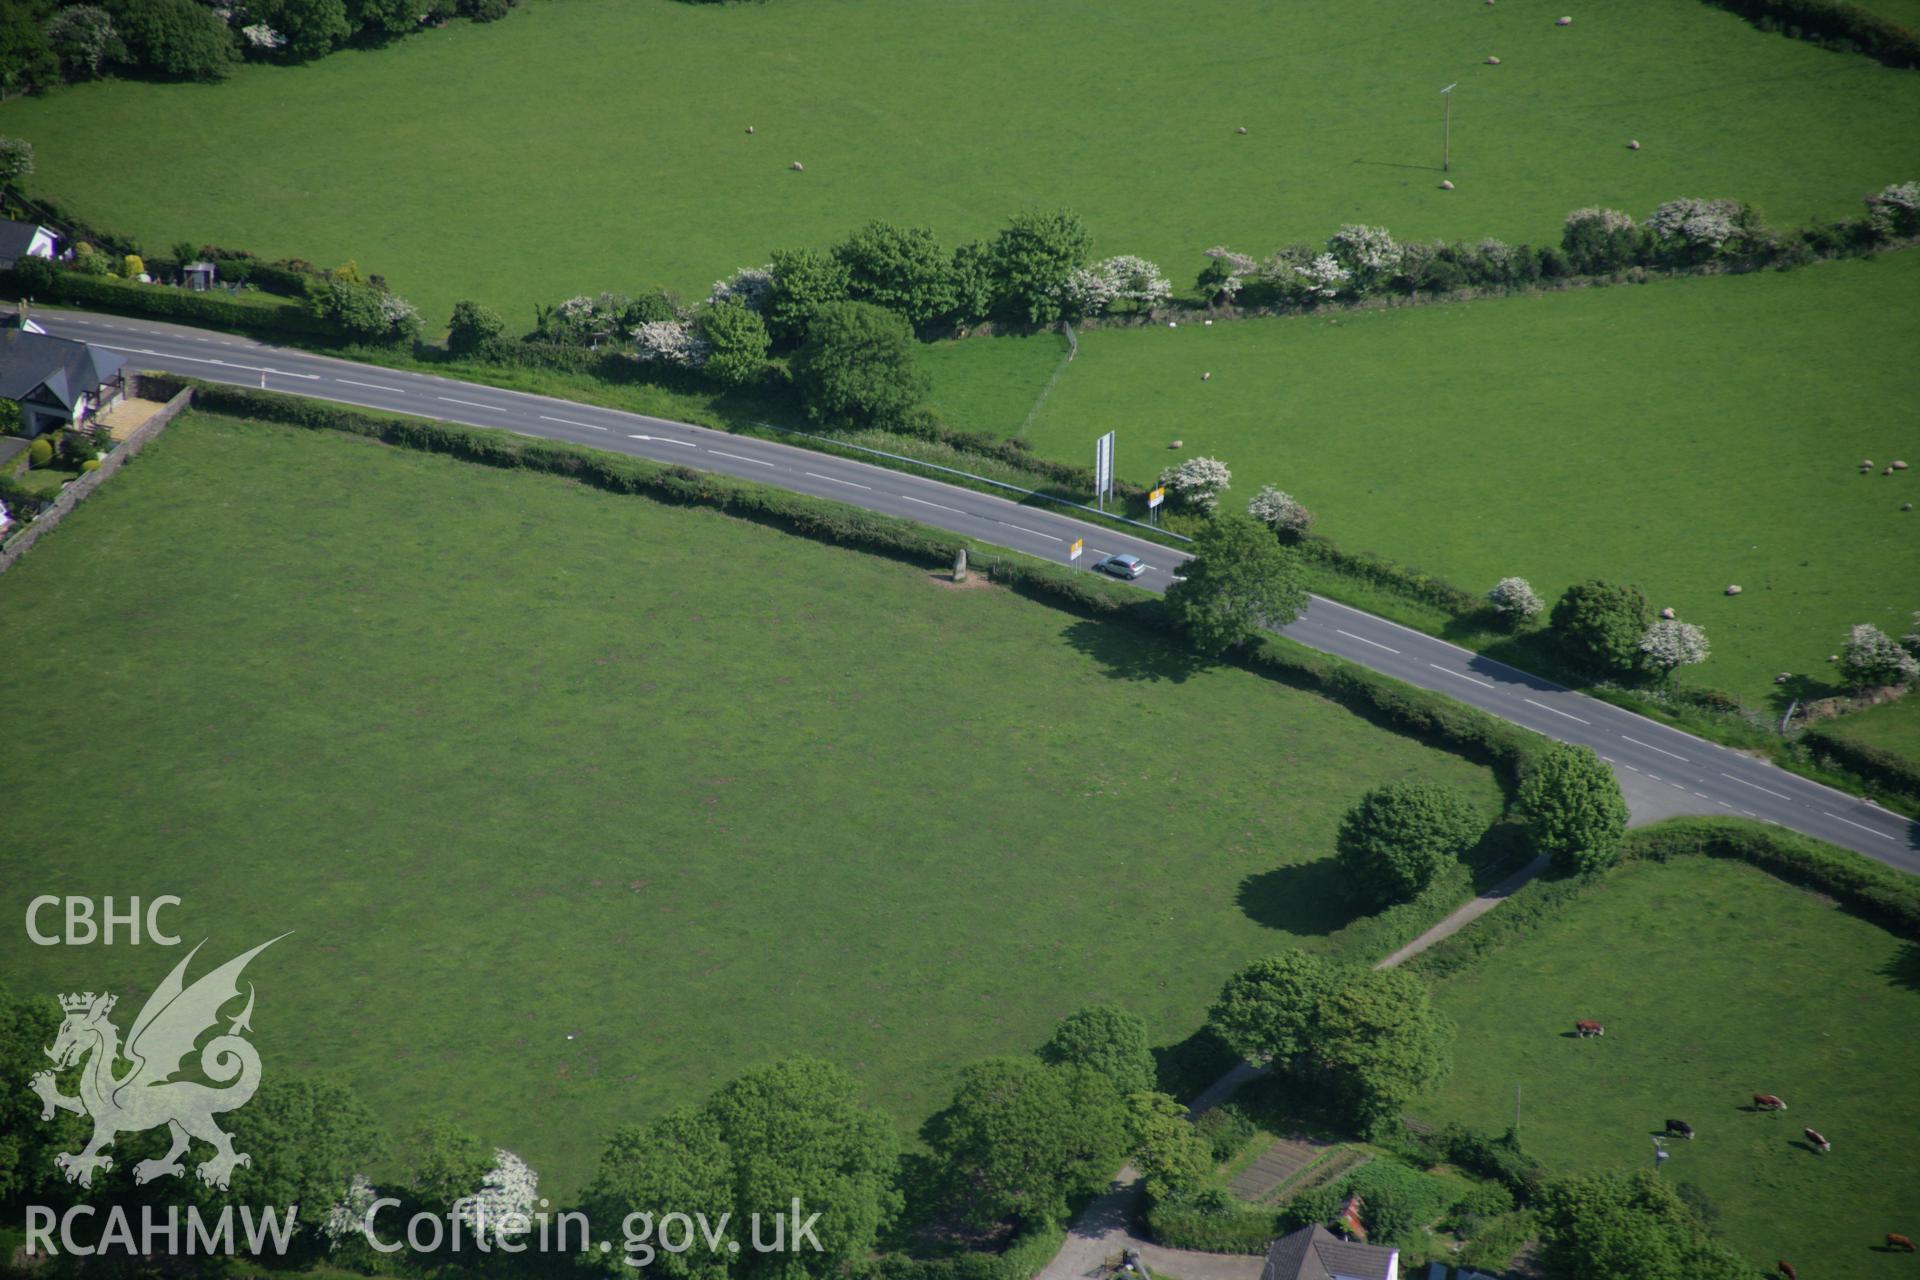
(1446, 134)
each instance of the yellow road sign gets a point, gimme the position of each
(1079, 545)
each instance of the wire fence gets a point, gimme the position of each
(1073, 349)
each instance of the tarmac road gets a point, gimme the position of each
(1663, 771)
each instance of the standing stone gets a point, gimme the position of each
(960, 565)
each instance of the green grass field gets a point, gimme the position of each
(1683, 435)
(601, 144)
(1894, 726)
(518, 759)
(1715, 982)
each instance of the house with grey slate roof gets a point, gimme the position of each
(56, 382)
(1315, 1253)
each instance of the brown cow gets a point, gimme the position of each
(1767, 1102)
(1786, 1269)
(1814, 1137)
(1587, 1027)
(1897, 1241)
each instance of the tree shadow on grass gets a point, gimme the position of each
(1306, 898)
(1127, 654)
(1904, 969)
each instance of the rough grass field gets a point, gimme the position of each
(518, 760)
(1683, 435)
(1715, 982)
(601, 144)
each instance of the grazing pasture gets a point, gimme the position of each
(1684, 435)
(603, 144)
(1715, 982)
(579, 805)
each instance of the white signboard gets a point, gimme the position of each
(1103, 466)
(1156, 497)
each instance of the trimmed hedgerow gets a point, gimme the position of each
(1834, 24)
(1876, 765)
(1866, 888)
(1213, 1223)
(1870, 890)
(220, 311)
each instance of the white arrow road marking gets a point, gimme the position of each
(571, 423)
(837, 480)
(1756, 786)
(1850, 822)
(1662, 750)
(1463, 675)
(1557, 711)
(1363, 640)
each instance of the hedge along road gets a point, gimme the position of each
(1663, 771)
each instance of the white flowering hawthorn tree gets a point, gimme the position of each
(503, 1207)
(1669, 644)
(1895, 209)
(261, 36)
(1514, 599)
(345, 1219)
(749, 284)
(1093, 289)
(1323, 277)
(1197, 482)
(1702, 226)
(673, 342)
(1870, 658)
(1369, 254)
(1228, 272)
(1608, 220)
(1280, 511)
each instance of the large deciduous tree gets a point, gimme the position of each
(1270, 1010)
(1573, 808)
(796, 1129)
(174, 38)
(737, 343)
(1107, 1039)
(678, 1163)
(1032, 259)
(903, 269)
(1601, 624)
(1400, 836)
(1239, 580)
(1021, 1137)
(803, 281)
(1604, 1226)
(858, 365)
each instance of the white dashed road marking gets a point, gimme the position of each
(1850, 822)
(1557, 711)
(569, 422)
(1363, 640)
(371, 386)
(1756, 786)
(471, 404)
(1463, 675)
(1035, 532)
(837, 480)
(737, 458)
(936, 506)
(1662, 750)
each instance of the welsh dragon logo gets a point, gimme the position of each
(146, 1095)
